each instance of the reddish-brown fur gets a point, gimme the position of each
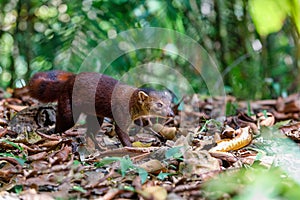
(47, 86)
(96, 95)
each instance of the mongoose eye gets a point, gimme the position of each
(159, 105)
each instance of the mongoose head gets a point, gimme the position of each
(155, 103)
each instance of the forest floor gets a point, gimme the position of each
(214, 148)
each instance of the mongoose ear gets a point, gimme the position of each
(142, 96)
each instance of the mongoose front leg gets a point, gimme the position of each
(123, 136)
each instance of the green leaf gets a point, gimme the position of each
(162, 176)
(21, 161)
(13, 144)
(143, 174)
(269, 15)
(125, 164)
(295, 9)
(249, 112)
(174, 152)
(128, 188)
(213, 121)
(258, 156)
(79, 189)
(76, 162)
(265, 113)
(231, 108)
(107, 161)
(18, 189)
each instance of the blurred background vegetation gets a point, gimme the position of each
(254, 43)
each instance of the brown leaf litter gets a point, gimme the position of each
(179, 156)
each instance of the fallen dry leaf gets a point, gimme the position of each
(153, 166)
(242, 139)
(155, 193)
(292, 130)
(32, 194)
(199, 162)
(266, 119)
(167, 132)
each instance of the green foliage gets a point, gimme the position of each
(125, 165)
(162, 176)
(175, 152)
(255, 183)
(18, 189)
(13, 144)
(269, 16)
(42, 35)
(249, 110)
(79, 189)
(21, 161)
(212, 122)
(129, 188)
(231, 108)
